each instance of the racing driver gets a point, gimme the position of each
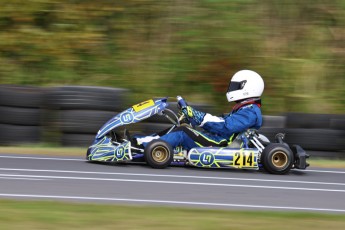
(245, 89)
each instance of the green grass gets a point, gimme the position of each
(327, 163)
(75, 151)
(58, 215)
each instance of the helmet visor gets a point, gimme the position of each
(234, 85)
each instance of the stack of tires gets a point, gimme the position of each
(20, 114)
(271, 125)
(317, 132)
(79, 111)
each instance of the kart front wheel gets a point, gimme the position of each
(158, 154)
(277, 158)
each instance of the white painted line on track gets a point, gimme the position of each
(178, 182)
(170, 202)
(323, 171)
(80, 159)
(20, 178)
(172, 176)
(43, 158)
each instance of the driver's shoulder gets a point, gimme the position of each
(252, 108)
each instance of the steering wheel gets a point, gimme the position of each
(180, 118)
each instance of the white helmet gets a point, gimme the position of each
(245, 84)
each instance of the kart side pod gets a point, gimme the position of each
(214, 157)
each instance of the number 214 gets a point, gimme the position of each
(242, 159)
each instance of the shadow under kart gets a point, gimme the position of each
(249, 150)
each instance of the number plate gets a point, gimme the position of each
(244, 159)
(143, 105)
(214, 157)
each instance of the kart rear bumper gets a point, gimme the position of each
(301, 157)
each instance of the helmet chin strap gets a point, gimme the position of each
(248, 101)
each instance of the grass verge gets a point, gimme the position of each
(59, 215)
(75, 151)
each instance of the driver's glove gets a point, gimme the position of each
(194, 116)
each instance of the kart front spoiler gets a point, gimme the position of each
(105, 150)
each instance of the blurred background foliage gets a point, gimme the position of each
(180, 47)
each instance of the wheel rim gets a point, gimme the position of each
(279, 159)
(160, 154)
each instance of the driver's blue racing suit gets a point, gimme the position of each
(219, 131)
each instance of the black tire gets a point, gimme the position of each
(273, 121)
(158, 154)
(317, 139)
(150, 128)
(309, 121)
(77, 140)
(18, 134)
(20, 116)
(86, 97)
(83, 121)
(338, 123)
(270, 133)
(21, 96)
(277, 158)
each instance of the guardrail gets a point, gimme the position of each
(72, 115)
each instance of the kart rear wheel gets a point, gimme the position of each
(158, 154)
(277, 158)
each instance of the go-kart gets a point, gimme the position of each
(248, 150)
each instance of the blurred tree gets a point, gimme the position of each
(187, 47)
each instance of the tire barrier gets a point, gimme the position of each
(311, 121)
(19, 134)
(273, 121)
(79, 127)
(270, 132)
(86, 98)
(318, 132)
(271, 125)
(152, 127)
(21, 96)
(317, 139)
(20, 114)
(337, 123)
(80, 111)
(83, 121)
(74, 114)
(76, 139)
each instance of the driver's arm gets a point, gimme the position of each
(234, 123)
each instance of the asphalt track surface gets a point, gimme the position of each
(73, 179)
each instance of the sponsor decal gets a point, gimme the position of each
(206, 158)
(126, 118)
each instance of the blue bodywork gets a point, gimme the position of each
(134, 114)
(213, 157)
(236, 155)
(102, 148)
